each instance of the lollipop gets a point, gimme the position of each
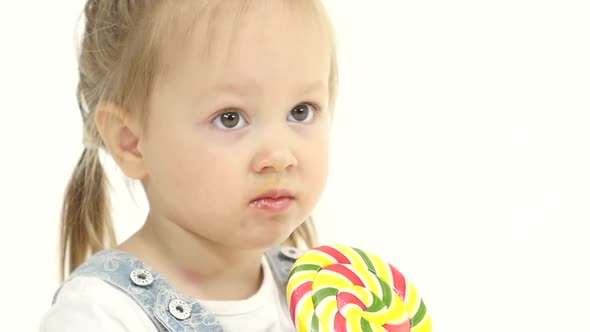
(343, 289)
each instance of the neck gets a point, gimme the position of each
(196, 266)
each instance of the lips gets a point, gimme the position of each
(273, 201)
(274, 194)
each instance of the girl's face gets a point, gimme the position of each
(250, 118)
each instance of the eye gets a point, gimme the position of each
(303, 113)
(229, 120)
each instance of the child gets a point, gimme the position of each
(222, 110)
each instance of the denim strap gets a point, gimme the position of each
(115, 268)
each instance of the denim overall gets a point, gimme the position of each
(169, 311)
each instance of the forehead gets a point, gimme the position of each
(251, 41)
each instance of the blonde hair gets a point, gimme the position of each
(119, 62)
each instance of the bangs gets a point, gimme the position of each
(214, 23)
(207, 25)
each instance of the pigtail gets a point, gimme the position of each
(86, 222)
(86, 225)
(304, 236)
(113, 66)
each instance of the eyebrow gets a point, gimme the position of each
(252, 86)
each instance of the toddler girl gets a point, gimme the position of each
(222, 110)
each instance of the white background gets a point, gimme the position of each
(461, 154)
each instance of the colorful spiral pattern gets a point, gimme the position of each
(343, 289)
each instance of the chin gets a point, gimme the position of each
(264, 237)
(265, 242)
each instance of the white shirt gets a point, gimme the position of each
(90, 304)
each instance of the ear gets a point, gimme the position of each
(121, 134)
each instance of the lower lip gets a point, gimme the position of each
(272, 204)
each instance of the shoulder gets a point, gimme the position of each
(90, 304)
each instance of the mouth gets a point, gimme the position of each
(273, 201)
(274, 194)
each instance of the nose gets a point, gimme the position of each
(274, 157)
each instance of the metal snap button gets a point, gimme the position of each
(291, 253)
(141, 277)
(179, 309)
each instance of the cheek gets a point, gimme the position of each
(316, 166)
(192, 174)
(206, 175)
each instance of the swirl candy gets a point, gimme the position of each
(343, 289)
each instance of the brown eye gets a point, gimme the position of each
(303, 113)
(229, 120)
